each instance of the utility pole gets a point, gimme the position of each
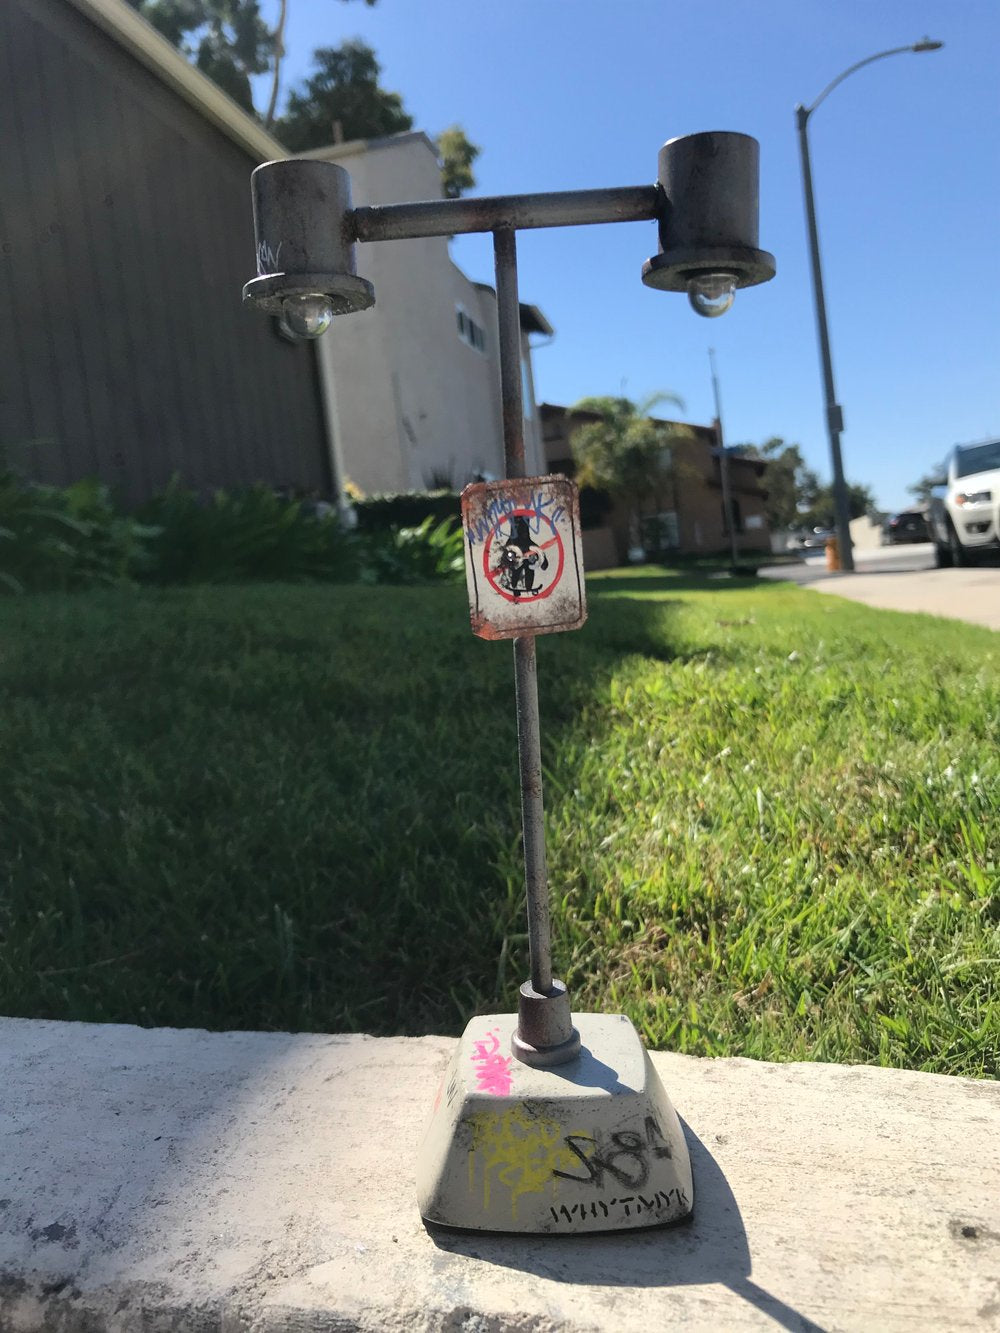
(723, 456)
(834, 412)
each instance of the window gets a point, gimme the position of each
(469, 331)
(660, 533)
(978, 458)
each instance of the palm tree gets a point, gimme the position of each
(629, 454)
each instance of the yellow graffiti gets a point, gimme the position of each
(517, 1149)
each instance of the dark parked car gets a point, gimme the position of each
(908, 527)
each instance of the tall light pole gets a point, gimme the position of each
(834, 413)
(723, 453)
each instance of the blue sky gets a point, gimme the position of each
(568, 94)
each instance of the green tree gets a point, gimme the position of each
(227, 39)
(628, 453)
(456, 155)
(795, 496)
(343, 99)
(230, 42)
(822, 513)
(791, 486)
(343, 91)
(278, 44)
(938, 476)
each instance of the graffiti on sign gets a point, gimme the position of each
(522, 557)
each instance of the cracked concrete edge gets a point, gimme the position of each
(822, 1190)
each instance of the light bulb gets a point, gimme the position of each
(307, 316)
(711, 294)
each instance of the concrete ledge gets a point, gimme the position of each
(253, 1182)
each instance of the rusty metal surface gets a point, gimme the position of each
(516, 534)
(449, 217)
(523, 557)
(303, 244)
(536, 874)
(509, 323)
(545, 1033)
(708, 221)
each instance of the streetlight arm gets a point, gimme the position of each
(804, 112)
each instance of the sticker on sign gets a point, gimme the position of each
(523, 558)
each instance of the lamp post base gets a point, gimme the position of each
(591, 1144)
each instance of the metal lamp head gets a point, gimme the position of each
(708, 220)
(305, 249)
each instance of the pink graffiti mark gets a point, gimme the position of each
(492, 1068)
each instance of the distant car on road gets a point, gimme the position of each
(965, 508)
(910, 526)
(813, 540)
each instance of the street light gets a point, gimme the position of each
(834, 414)
(571, 1117)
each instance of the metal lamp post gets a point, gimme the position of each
(541, 1124)
(722, 453)
(834, 413)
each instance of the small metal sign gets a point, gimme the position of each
(523, 557)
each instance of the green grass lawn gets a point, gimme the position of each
(772, 816)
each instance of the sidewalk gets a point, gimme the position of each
(960, 594)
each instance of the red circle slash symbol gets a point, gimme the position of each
(523, 566)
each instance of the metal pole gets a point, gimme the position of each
(834, 415)
(451, 217)
(525, 675)
(727, 500)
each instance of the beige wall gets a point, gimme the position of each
(411, 402)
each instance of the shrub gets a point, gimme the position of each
(430, 553)
(240, 535)
(408, 509)
(66, 537)
(62, 538)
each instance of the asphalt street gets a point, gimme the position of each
(903, 578)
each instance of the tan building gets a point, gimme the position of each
(413, 384)
(694, 521)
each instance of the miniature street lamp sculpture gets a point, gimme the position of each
(540, 1124)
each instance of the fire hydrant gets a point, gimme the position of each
(832, 553)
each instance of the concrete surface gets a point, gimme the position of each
(903, 578)
(251, 1183)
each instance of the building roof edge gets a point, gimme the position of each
(137, 36)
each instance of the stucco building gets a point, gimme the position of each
(413, 383)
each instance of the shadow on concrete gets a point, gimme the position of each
(709, 1247)
(586, 1071)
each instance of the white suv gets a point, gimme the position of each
(965, 512)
